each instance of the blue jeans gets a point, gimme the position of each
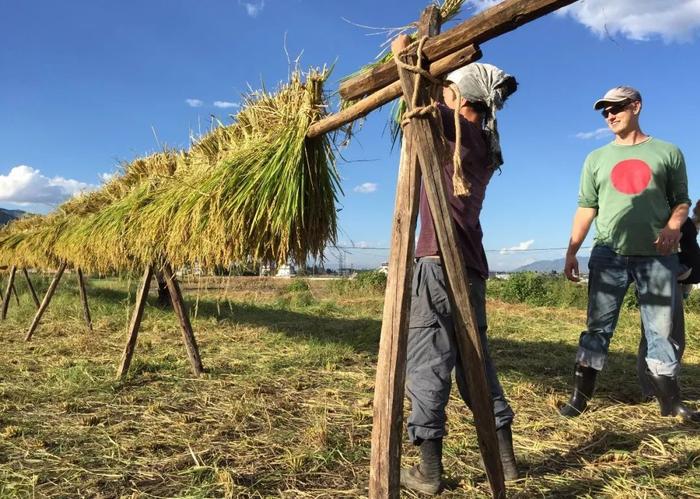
(610, 275)
(433, 353)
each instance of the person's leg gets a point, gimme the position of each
(430, 360)
(608, 280)
(502, 411)
(677, 336)
(658, 297)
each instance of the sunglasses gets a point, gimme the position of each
(616, 109)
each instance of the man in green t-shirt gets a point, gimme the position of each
(636, 191)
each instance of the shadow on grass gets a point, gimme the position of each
(546, 363)
(614, 444)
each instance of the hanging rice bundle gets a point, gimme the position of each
(93, 233)
(28, 241)
(257, 189)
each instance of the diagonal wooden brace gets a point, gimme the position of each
(426, 138)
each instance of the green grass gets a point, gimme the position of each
(285, 409)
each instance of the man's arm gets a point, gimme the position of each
(582, 223)
(670, 236)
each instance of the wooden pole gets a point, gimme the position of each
(332, 122)
(181, 312)
(31, 287)
(135, 323)
(387, 427)
(426, 138)
(8, 292)
(14, 292)
(499, 19)
(46, 301)
(84, 299)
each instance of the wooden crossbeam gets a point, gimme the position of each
(499, 19)
(462, 57)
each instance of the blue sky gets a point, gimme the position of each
(86, 84)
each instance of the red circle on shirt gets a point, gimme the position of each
(631, 176)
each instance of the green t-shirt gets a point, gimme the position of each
(634, 189)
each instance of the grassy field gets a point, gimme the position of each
(285, 409)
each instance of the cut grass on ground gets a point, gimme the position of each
(285, 409)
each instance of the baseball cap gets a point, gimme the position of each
(617, 95)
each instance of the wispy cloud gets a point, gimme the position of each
(253, 8)
(599, 133)
(520, 247)
(194, 102)
(366, 188)
(225, 104)
(638, 19)
(26, 185)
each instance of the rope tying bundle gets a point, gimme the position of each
(461, 186)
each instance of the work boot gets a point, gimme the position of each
(505, 449)
(669, 396)
(584, 384)
(426, 477)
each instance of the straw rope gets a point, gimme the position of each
(461, 186)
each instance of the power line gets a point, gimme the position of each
(504, 250)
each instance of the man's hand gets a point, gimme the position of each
(668, 240)
(571, 268)
(400, 43)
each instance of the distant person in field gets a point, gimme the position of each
(636, 190)
(688, 274)
(432, 349)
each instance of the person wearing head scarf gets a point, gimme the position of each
(468, 121)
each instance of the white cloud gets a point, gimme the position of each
(26, 185)
(597, 134)
(638, 19)
(254, 7)
(366, 188)
(106, 177)
(520, 247)
(225, 104)
(194, 102)
(479, 5)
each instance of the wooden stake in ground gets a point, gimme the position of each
(387, 426)
(8, 292)
(135, 323)
(31, 287)
(426, 138)
(47, 299)
(84, 300)
(181, 312)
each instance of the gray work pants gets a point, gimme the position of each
(433, 353)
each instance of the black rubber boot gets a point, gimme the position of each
(669, 396)
(584, 384)
(505, 449)
(426, 477)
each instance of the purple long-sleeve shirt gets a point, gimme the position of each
(465, 210)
